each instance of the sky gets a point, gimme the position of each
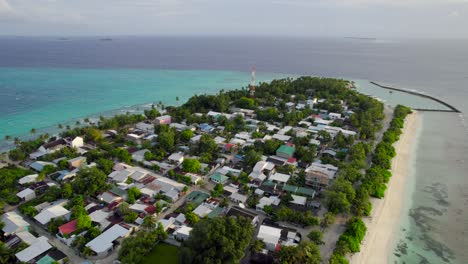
(329, 18)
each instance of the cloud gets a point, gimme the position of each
(366, 3)
(454, 14)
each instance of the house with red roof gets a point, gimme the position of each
(68, 228)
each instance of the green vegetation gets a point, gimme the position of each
(136, 247)
(218, 240)
(191, 165)
(305, 252)
(163, 253)
(350, 240)
(8, 189)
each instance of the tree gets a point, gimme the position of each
(217, 190)
(337, 258)
(217, 240)
(32, 131)
(130, 217)
(191, 165)
(105, 165)
(93, 134)
(186, 135)
(327, 220)
(305, 252)
(90, 181)
(316, 237)
(67, 190)
(192, 218)
(207, 144)
(152, 113)
(257, 246)
(149, 222)
(7, 138)
(245, 102)
(133, 194)
(83, 222)
(251, 158)
(166, 139)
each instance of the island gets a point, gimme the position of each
(279, 172)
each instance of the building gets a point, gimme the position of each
(68, 228)
(285, 151)
(176, 158)
(77, 142)
(267, 201)
(320, 175)
(298, 200)
(147, 127)
(279, 177)
(238, 198)
(28, 179)
(270, 236)
(36, 249)
(52, 212)
(77, 162)
(139, 156)
(14, 223)
(26, 194)
(183, 233)
(39, 165)
(163, 120)
(219, 178)
(104, 243)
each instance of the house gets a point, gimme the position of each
(136, 136)
(139, 156)
(183, 233)
(194, 178)
(270, 236)
(77, 162)
(163, 120)
(28, 179)
(264, 201)
(195, 139)
(237, 211)
(77, 142)
(13, 223)
(176, 158)
(104, 243)
(320, 175)
(299, 200)
(68, 228)
(39, 247)
(279, 177)
(219, 178)
(144, 126)
(238, 198)
(329, 152)
(219, 140)
(52, 212)
(108, 197)
(285, 151)
(203, 210)
(48, 148)
(204, 127)
(334, 116)
(280, 137)
(100, 217)
(26, 194)
(39, 165)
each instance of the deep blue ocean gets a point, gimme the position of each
(46, 81)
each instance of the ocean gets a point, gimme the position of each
(46, 81)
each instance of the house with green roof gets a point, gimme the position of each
(285, 151)
(219, 178)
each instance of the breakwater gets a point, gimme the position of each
(451, 109)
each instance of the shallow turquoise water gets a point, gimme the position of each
(44, 97)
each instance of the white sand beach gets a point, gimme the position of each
(385, 217)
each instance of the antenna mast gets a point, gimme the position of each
(252, 83)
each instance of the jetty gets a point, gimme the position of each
(451, 109)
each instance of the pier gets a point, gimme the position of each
(451, 109)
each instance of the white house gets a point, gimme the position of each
(28, 179)
(104, 242)
(270, 236)
(77, 142)
(139, 156)
(53, 212)
(177, 157)
(238, 198)
(26, 194)
(279, 177)
(40, 246)
(183, 233)
(14, 223)
(163, 120)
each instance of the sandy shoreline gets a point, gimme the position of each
(385, 217)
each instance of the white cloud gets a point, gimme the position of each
(454, 14)
(5, 7)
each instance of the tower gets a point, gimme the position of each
(252, 83)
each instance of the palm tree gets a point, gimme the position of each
(33, 131)
(257, 246)
(149, 222)
(86, 120)
(177, 98)
(68, 127)
(60, 126)
(17, 141)
(78, 123)
(7, 137)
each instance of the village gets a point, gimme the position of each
(89, 190)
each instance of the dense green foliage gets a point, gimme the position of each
(219, 240)
(350, 240)
(136, 247)
(9, 177)
(90, 181)
(305, 252)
